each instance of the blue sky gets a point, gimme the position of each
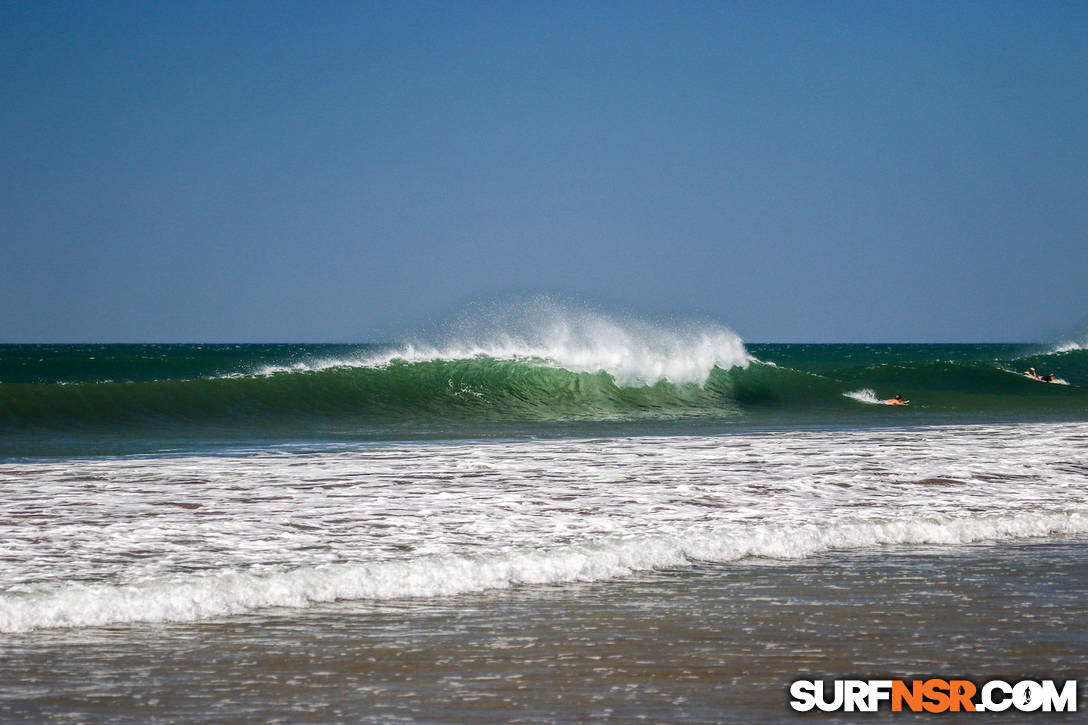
(335, 171)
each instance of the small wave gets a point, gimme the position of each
(1072, 340)
(1068, 346)
(310, 366)
(187, 598)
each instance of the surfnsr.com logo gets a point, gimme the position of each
(933, 695)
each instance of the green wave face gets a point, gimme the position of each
(939, 379)
(480, 389)
(332, 386)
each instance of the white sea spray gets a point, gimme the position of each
(632, 350)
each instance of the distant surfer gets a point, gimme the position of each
(1048, 378)
(897, 400)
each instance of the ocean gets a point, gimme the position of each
(590, 520)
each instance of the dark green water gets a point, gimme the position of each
(112, 397)
(671, 532)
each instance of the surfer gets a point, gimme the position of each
(897, 400)
(1048, 378)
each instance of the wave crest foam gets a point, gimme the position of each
(633, 351)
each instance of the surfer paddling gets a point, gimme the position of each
(897, 400)
(1048, 378)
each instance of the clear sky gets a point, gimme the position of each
(346, 171)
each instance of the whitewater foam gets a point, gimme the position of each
(184, 538)
(310, 366)
(205, 596)
(634, 352)
(865, 395)
(1068, 346)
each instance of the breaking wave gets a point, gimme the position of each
(194, 597)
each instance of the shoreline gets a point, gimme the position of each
(714, 643)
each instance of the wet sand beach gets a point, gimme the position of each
(718, 643)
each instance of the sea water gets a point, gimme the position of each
(586, 518)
